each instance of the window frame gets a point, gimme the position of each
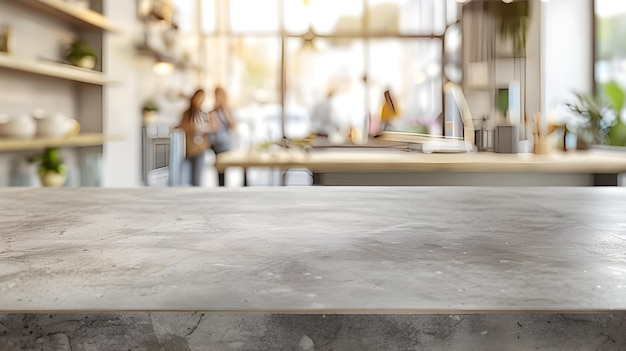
(223, 33)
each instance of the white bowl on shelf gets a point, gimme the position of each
(17, 127)
(57, 126)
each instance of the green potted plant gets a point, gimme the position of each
(600, 118)
(592, 126)
(82, 54)
(51, 171)
(150, 110)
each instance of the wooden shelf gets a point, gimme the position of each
(51, 69)
(86, 19)
(42, 143)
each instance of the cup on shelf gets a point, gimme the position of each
(20, 126)
(56, 126)
(543, 145)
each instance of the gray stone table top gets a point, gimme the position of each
(327, 250)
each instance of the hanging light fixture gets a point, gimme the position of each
(163, 65)
(310, 35)
(308, 41)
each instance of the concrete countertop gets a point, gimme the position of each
(358, 250)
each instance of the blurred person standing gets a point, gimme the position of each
(195, 124)
(322, 115)
(331, 117)
(222, 123)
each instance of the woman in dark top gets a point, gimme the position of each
(222, 123)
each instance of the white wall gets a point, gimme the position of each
(533, 60)
(122, 106)
(567, 52)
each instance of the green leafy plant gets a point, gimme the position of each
(592, 128)
(49, 161)
(80, 49)
(150, 106)
(513, 21)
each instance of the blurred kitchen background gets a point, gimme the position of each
(105, 81)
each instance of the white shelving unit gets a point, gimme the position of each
(87, 95)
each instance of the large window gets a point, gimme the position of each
(610, 62)
(296, 66)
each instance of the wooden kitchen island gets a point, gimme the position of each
(394, 166)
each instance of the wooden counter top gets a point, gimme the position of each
(393, 160)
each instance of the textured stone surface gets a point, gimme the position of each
(260, 331)
(329, 250)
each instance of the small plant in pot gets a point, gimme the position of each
(51, 171)
(600, 118)
(150, 110)
(81, 54)
(592, 125)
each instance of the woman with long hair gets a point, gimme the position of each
(195, 123)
